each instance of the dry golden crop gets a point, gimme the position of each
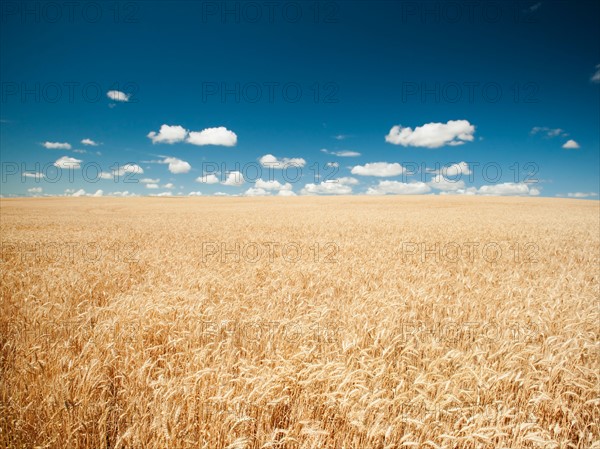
(308, 322)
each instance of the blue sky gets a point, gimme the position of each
(327, 97)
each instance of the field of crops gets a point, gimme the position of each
(307, 322)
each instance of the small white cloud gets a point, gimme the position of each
(286, 193)
(221, 194)
(98, 193)
(596, 76)
(125, 193)
(254, 191)
(80, 192)
(332, 164)
(439, 182)
(169, 185)
(549, 132)
(133, 169)
(117, 95)
(105, 175)
(432, 135)
(268, 160)
(195, 194)
(162, 194)
(454, 170)
(272, 185)
(67, 162)
(213, 136)
(149, 181)
(177, 166)
(508, 189)
(37, 176)
(347, 181)
(57, 145)
(168, 134)
(89, 142)
(535, 7)
(35, 190)
(207, 179)
(151, 186)
(381, 169)
(341, 137)
(399, 188)
(581, 194)
(571, 145)
(326, 188)
(343, 153)
(234, 178)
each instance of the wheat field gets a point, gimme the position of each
(308, 322)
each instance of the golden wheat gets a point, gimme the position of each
(350, 322)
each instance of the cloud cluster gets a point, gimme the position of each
(399, 188)
(57, 145)
(270, 161)
(117, 95)
(432, 135)
(380, 169)
(343, 153)
(210, 136)
(326, 188)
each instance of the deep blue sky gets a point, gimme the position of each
(365, 59)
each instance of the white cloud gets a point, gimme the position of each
(571, 145)
(117, 95)
(125, 193)
(332, 164)
(105, 175)
(596, 76)
(343, 153)
(162, 194)
(67, 162)
(454, 170)
(195, 194)
(152, 186)
(98, 193)
(35, 190)
(347, 181)
(341, 137)
(581, 194)
(89, 142)
(150, 181)
(57, 145)
(439, 182)
(380, 169)
(508, 188)
(234, 178)
(432, 135)
(168, 134)
(221, 194)
(549, 132)
(254, 191)
(38, 176)
(272, 185)
(209, 136)
(134, 169)
(207, 179)
(286, 193)
(268, 160)
(399, 188)
(177, 166)
(80, 192)
(213, 136)
(169, 185)
(326, 188)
